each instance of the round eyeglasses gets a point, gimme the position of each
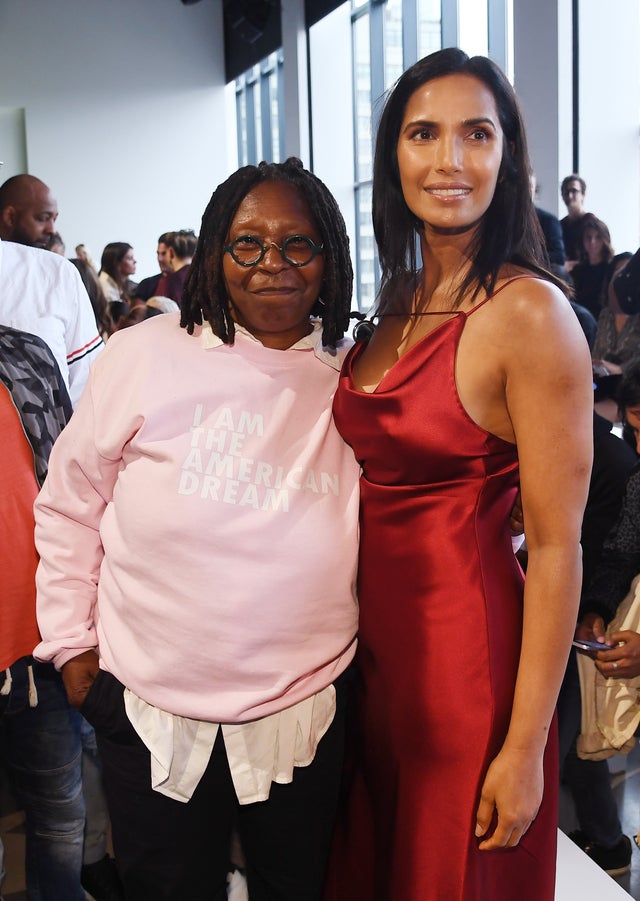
(297, 250)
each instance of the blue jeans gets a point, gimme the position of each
(43, 749)
(589, 781)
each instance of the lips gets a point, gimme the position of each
(448, 190)
(275, 289)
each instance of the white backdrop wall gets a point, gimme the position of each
(124, 113)
(332, 131)
(609, 116)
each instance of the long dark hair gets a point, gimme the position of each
(509, 231)
(205, 292)
(113, 254)
(602, 230)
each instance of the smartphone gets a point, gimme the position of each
(590, 645)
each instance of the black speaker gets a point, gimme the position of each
(249, 17)
(252, 31)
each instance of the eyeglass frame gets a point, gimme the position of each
(265, 247)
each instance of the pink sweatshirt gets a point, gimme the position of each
(199, 524)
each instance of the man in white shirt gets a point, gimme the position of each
(41, 292)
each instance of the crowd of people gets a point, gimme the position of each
(258, 580)
(605, 296)
(117, 300)
(582, 250)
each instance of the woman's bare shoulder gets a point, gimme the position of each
(530, 318)
(532, 298)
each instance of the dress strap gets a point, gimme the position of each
(516, 278)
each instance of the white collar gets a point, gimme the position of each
(312, 341)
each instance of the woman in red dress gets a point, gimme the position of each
(476, 379)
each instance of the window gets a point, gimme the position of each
(429, 27)
(366, 267)
(258, 112)
(387, 38)
(474, 27)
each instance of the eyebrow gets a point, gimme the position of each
(466, 122)
(481, 121)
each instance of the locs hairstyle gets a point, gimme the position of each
(509, 231)
(205, 293)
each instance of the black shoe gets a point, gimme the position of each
(614, 861)
(101, 881)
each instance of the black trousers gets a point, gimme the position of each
(170, 851)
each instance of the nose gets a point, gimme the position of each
(49, 227)
(273, 258)
(448, 153)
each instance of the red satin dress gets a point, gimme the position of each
(440, 630)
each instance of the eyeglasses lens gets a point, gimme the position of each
(297, 250)
(247, 250)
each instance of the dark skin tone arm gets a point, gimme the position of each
(78, 675)
(623, 648)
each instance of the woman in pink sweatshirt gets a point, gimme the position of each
(198, 542)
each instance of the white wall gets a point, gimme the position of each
(332, 121)
(124, 110)
(609, 121)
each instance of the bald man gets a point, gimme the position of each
(28, 211)
(41, 292)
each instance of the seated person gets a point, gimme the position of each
(626, 285)
(552, 231)
(620, 561)
(587, 321)
(592, 273)
(618, 334)
(573, 190)
(609, 567)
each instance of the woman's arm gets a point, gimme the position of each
(549, 400)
